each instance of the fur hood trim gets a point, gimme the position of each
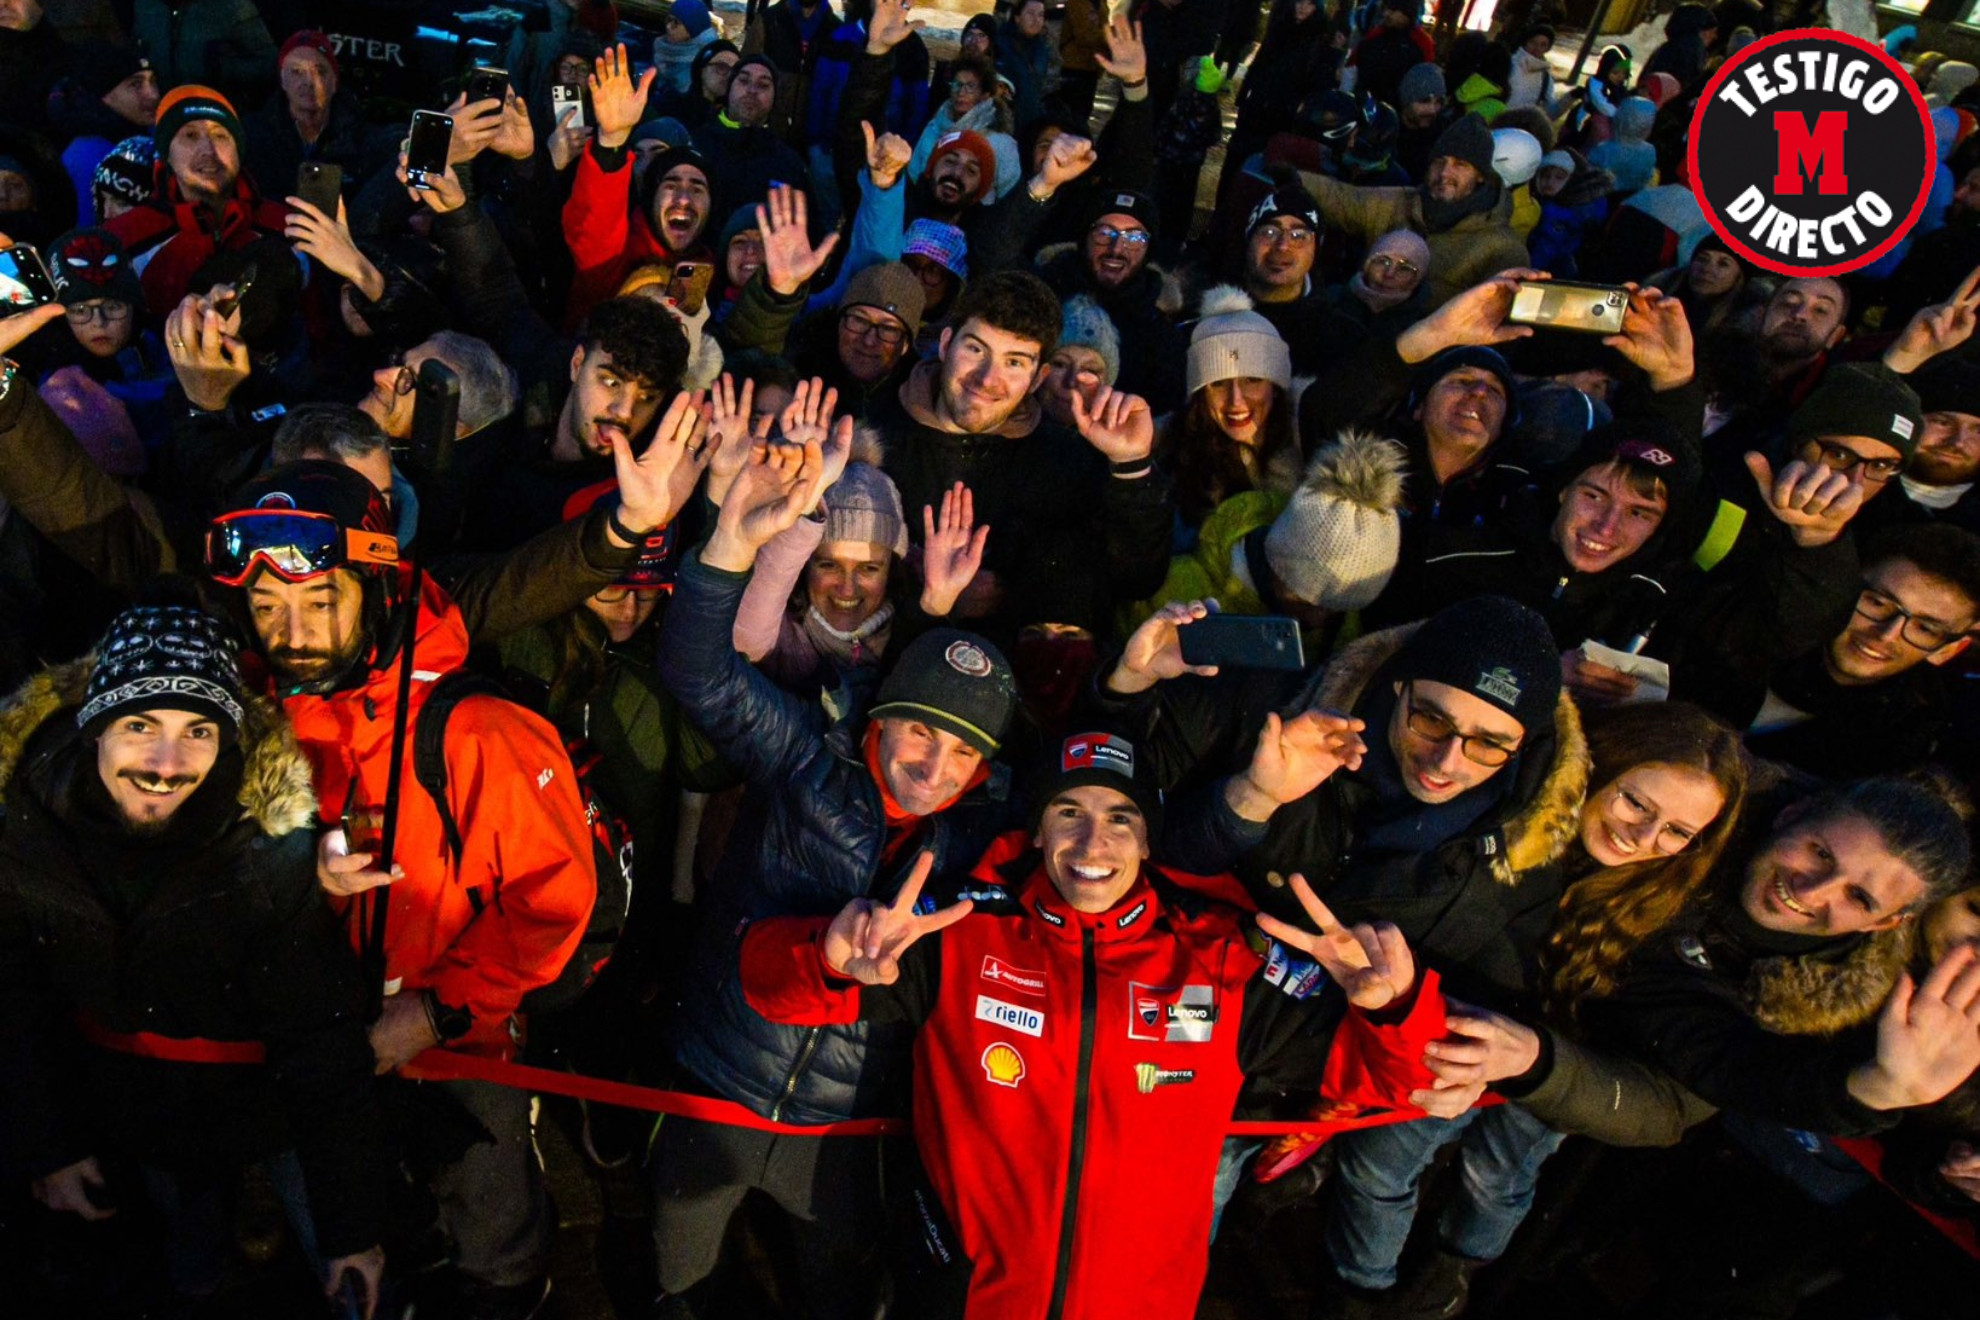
(276, 792)
(1820, 997)
(1540, 828)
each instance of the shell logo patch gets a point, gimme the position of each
(1003, 1065)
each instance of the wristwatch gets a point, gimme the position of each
(447, 1023)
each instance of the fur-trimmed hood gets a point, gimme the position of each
(276, 792)
(1819, 996)
(1544, 816)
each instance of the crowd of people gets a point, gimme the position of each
(845, 584)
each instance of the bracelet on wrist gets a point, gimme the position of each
(620, 530)
(1132, 467)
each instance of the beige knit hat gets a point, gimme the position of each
(1335, 544)
(864, 504)
(1232, 340)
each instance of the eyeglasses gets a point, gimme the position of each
(960, 88)
(1433, 726)
(891, 334)
(1633, 811)
(294, 545)
(1386, 262)
(110, 313)
(1292, 235)
(1842, 458)
(1924, 634)
(614, 595)
(1108, 236)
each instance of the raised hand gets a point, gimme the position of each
(886, 156)
(767, 497)
(865, 941)
(728, 433)
(617, 102)
(1065, 160)
(208, 359)
(515, 136)
(952, 552)
(1928, 1036)
(1124, 56)
(1814, 502)
(1371, 963)
(1294, 757)
(1656, 336)
(1937, 329)
(656, 486)
(330, 242)
(807, 421)
(443, 192)
(1118, 424)
(889, 26)
(789, 259)
(476, 128)
(1154, 651)
(1475, 317)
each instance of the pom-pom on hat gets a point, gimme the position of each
(1231, 340)
(1335, 544)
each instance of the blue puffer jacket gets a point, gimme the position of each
(807, 841)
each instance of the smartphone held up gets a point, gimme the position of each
(427, 145)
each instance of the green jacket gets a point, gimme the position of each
(1211, 569)
(1475, 248)
(1481, 96)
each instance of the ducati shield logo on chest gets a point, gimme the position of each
(1179, 1015)
(1811, 153)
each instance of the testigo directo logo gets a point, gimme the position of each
(1811, 152)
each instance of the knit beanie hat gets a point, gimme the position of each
(1335, 544)
(1289, 198)
(313, 39)
(692, 15)
(975, 144)
(741, 221)
(955, 681)
(87, 264)
(1420, 82)
(1493, 648)
(1557, 159)
(101, 66)
(1139, 205)
(699, 65)
(1231, 340)
(864, 504)
(182, 105)
(167, 657)
(1470, 141)
(1860, 398)
(1103, 759)
(127, 171)
(1948, 384)
(942, 243)
(748, 60)
(891, 287)
(1084, 323)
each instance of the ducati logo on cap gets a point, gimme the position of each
(1098, 751)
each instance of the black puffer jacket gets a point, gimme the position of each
(230, 941)
(808, 839)
(1475, 906)
(1152, 346)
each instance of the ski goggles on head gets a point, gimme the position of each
(293, 545)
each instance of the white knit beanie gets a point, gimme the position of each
(1335, 544)
(1231, 341)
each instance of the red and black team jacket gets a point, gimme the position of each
(1073, 1076)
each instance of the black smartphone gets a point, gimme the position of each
(227, 304)
(487, 83)
(564, 96)
(436, 415)
(24, 281)
(320, 183)
(1244, 641)
(427, 145)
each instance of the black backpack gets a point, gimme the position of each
(611, 837)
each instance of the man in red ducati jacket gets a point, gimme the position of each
(1098, 1016)
(470, 928)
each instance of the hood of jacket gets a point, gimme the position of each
(1588, 183)
(1543, 815)
(1478, 88)
(1821, 994)
(1634, 118)
(276, 791)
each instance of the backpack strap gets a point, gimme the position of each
(430, 743)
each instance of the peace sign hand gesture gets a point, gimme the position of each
(1937, 329)
(865, 941)
(1370, 962)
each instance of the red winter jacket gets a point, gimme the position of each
(609, 235)
(169, 238)
(504, 919)
(1073, 1078)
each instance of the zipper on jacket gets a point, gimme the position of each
(1089, 1003)
(798, 1066)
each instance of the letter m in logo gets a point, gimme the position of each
(1806, 152)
